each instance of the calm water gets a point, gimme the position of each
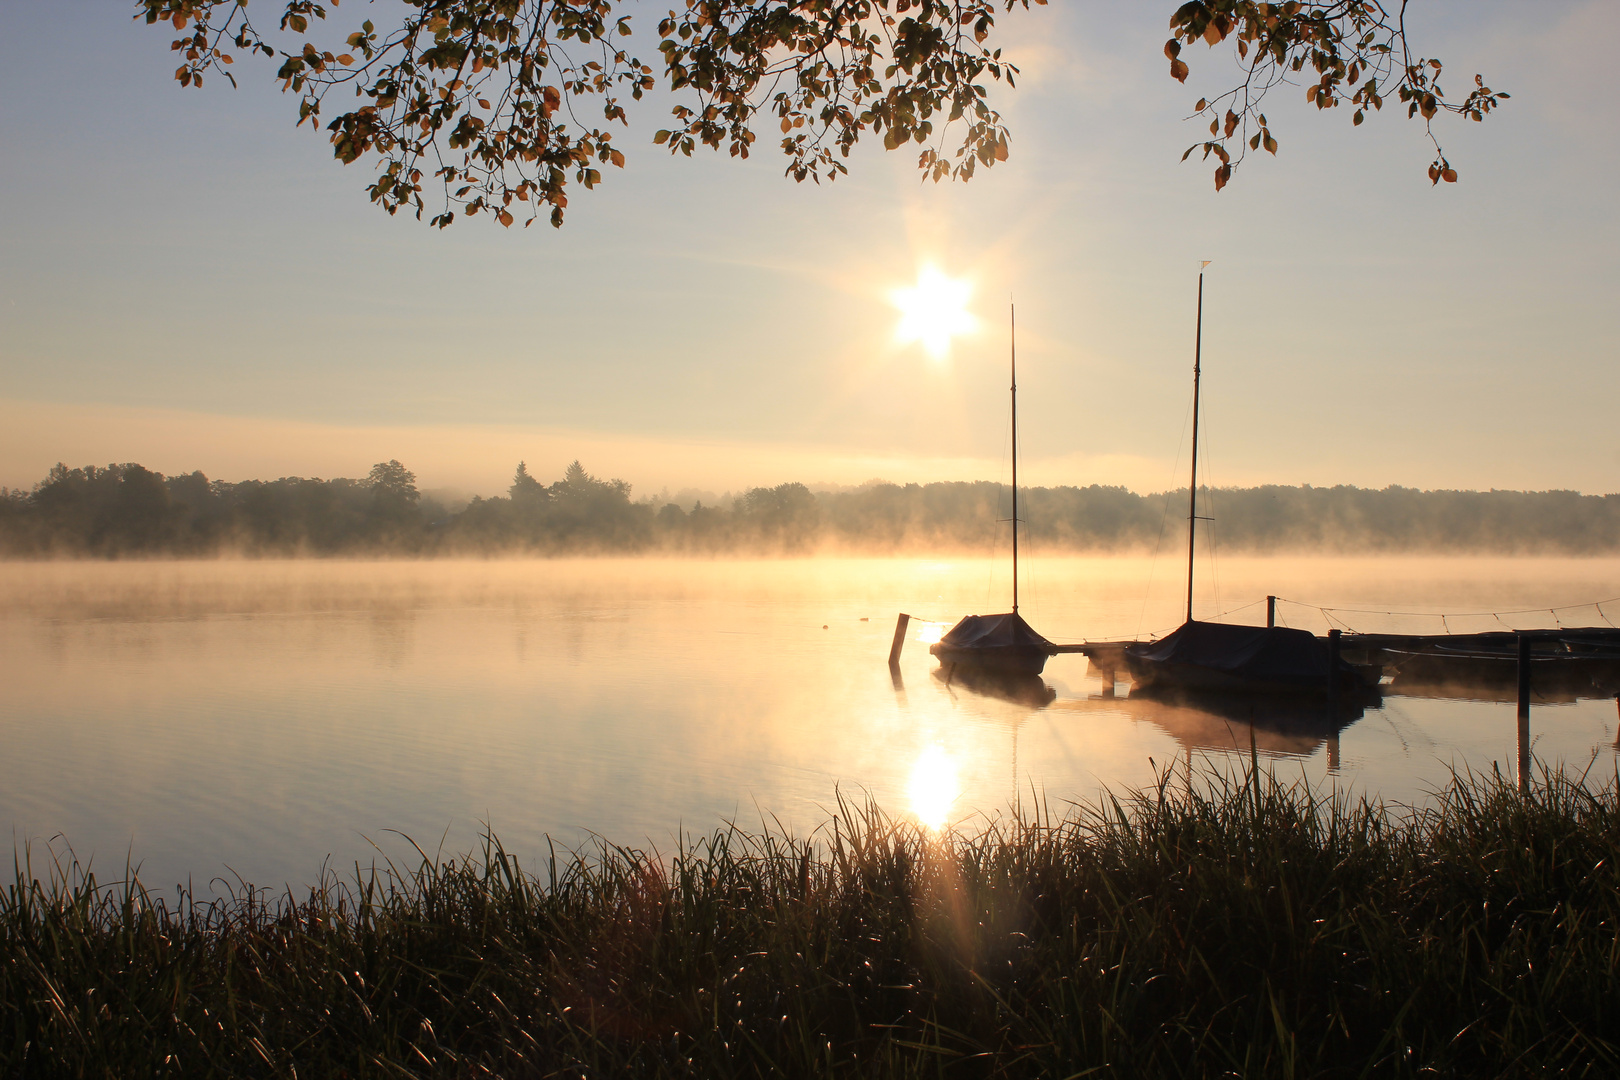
(255, 718)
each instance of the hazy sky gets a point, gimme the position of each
(189, 282)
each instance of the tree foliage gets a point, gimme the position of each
(127, 510)
(501, 104)
(1357, 51)
(496, 107)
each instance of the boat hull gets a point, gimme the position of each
(1161, 675)
(1003, 644)
(999, 660)
(1231, 659)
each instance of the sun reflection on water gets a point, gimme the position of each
(934, 787)
(929, 632)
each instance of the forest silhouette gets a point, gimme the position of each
(127, 510)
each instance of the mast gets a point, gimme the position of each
(1192, 487)
(1012, 314)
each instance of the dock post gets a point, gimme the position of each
(1333, 672)
(900, 625)
(1271, 612)
(1524, 712)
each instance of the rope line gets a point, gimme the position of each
(1598, 605)
(1164, 519)
(1218, 617)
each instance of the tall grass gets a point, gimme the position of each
(1240, 926)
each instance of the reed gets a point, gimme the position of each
(1234, 926)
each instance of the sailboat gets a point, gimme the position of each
(1004, 644)
(1222, 657)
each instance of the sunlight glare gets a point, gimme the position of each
(933, 311)
(934, 787)
(929, 632)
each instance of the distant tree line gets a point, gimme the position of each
(128, 510)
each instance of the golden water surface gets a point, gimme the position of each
(254, 718)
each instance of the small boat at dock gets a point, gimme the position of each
(1226, 658)
(1003, 644)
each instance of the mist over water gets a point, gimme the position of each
(253, 718)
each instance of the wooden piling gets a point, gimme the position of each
(1333, 672)
(900, 625)
(1271, 612)
(1524, 642)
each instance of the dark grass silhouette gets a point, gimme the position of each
(1228, 926)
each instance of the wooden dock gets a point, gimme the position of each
(1595, 643)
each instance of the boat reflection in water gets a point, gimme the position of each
(1239, 723)
(1017, 687)
(1493, 676)
(1299, 726)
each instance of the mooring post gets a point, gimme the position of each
(1333, 672)
(1271, 612)
(1524, 712)
(900, 625)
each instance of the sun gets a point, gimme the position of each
(933, 311)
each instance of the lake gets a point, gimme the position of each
(258, 719)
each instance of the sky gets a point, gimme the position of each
(189, 282)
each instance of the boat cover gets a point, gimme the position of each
(1258, 654)
(1008, 630)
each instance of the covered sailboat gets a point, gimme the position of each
(1224, 657)
(1001, 644)
(1205, 656)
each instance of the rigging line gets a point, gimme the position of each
(1222, 615)
(1164, 520)
(1330, 619)
(1219, 615)
(1209, 516)
(1462, 614)
(1033, 595)
(995, 533)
